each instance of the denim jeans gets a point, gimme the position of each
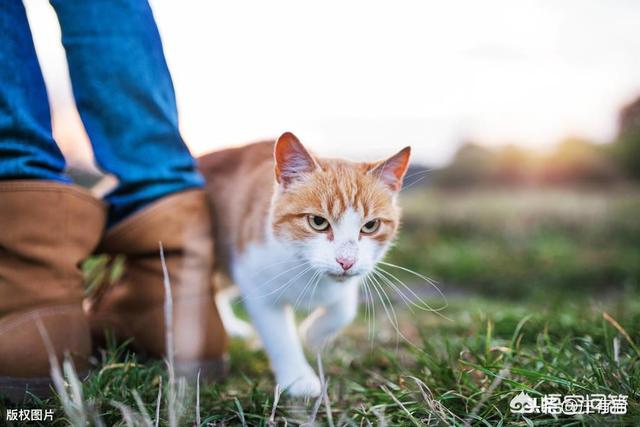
(123, 91)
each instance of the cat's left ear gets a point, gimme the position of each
(292, 159)
(391, 171)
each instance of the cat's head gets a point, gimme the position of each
(340, 216)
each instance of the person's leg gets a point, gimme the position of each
(27, 148)
(47, 226)
(125, 97)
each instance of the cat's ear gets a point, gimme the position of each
(292, 159)
(391, 171)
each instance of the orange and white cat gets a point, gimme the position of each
(294, 230)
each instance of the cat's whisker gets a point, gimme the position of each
(302, 264)
(404, 298)
(373, 313)
(304, 289)
(421, 304)
(321, 264)
(282, 286)
(367, 313)
(313, 291)
(430, 281)
(381, 292)
(422, 172)
(408, 270)
(371, 323)
(390, 311)
(289, 283)
(389, 315)
(242, 298)
(416, 181)
(287, 261)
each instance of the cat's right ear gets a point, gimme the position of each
(392, 170)
(292, 159)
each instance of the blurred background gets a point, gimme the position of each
(524, 118)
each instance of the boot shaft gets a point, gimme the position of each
(46, 230)
(134, 306)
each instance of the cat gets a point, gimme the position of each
(295, 230)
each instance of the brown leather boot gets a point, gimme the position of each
(46, 230)
(134, 306)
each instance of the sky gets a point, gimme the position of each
(362, 79)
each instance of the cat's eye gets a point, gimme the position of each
(371, 226)
(318, 223)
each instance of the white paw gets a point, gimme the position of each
(307, 384)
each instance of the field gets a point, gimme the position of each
(524, 243)
(542, 296)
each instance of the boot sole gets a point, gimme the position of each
(211, 370)
(16, 389)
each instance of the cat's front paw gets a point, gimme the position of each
(307, 384)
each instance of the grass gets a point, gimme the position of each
(523, 243)
(447, 375)
(543, 298)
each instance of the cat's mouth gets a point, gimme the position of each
(341, 277)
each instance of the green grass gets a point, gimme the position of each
(523, 243)
(446, 375)
(529, 275)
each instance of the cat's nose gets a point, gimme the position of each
(346, 262)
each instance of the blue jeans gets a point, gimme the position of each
(123, 91)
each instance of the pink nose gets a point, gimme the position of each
(345, 263)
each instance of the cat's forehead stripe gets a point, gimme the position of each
(344, 185)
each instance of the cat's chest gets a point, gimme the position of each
(274, 274)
